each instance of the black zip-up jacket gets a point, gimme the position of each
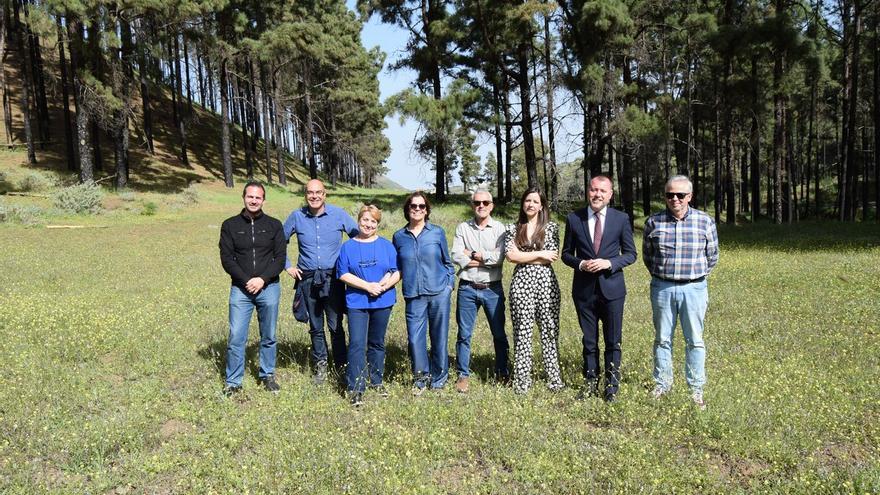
(252, 248)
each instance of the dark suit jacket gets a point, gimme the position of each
(617, 247)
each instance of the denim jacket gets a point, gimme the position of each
(424, 261)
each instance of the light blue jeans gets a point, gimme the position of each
(468, 303)
(241, 307)
(685, 301)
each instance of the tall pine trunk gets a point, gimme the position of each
(279, 117)
(525, 101)
(83, 135)
(7, 107)
(182, 119)
(226, 151)
(499, 156)
(25, 71)
(144, 67)
(65, 98)
(308, 139)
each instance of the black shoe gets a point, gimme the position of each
(229, 390)
(591, 390)
(357, 399)
(610, 397)
(320, 373)
(271, 385)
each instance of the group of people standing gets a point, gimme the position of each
(358, 278)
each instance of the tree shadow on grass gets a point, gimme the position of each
(803, 236)
(289, 355)
(294, 356)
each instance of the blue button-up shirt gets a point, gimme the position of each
(424, 261)
(680, 250)
(319, 237)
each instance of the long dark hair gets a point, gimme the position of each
(522, 237)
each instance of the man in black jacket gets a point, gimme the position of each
(252, 250)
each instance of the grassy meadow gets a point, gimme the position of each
(112, 339)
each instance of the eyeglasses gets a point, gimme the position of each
(679, 195)
(418, 206)
(314, 193)
(481, 203)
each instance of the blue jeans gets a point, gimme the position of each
(468, 303)
(366, 329)
(333, 307)
(241, 307)
(429, 316)
(687, 302)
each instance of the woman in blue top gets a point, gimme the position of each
(428, 275)
(368, 266)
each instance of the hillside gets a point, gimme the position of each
(162, 171)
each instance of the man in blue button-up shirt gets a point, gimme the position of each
(319, 228)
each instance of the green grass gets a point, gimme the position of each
(113, 340)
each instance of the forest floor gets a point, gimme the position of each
(113, 337)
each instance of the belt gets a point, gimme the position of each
(681, 282)
(479, 285)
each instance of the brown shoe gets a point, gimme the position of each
(461, 385)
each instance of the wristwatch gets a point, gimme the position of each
(472, 254)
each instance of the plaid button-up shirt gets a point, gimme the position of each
(680, 250)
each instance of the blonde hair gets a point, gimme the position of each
(374, 212)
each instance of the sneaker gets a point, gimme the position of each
(357, 399)
(658, 392)
(697, 397)
(461, 385)
(271, 385)
(320, 373)
(380, 390)
(421, 383)
(230, 390)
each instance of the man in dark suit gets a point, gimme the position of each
(598, 245)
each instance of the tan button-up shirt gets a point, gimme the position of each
(488, 241)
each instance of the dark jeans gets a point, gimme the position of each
(333, 307)
(366, 330)
(428, 317)
(467, 306)
(610, 313)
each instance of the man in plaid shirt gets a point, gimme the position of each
(680, 248)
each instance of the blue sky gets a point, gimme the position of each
(405, 166)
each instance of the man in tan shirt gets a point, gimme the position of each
(478, 250)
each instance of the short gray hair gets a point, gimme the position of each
(482, 190)
(680, 178)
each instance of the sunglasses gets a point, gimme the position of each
(481, 203)
(418, 206)
(679, 195)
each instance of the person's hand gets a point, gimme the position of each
(295, 272)
(595, 266)
(375, 289)
(473, 264)
(478, 256)
(255, 285)
(549, 256)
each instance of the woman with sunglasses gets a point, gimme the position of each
(533, 245)
(367, 264)
(428, 276)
